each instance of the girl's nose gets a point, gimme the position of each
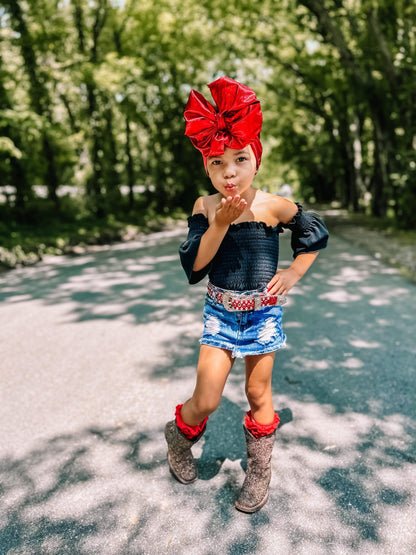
(229, 170)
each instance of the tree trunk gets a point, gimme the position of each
(79, 24)
(347, 155)
(95, 181)
(380, 178)
(362, 79)
(358, 159)
(112, 177)
(130, 171)
(18, 176)
(51, 174)
(39, 97)
(98, 25)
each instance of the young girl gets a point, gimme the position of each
(234, 238)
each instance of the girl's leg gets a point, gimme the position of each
(259, 386)
(260, 427)
(214, 365)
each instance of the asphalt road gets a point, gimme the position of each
(97, 350)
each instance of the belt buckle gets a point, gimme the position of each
(257, 301)
(226, 301)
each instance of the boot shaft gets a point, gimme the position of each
(259, 450)
(255, 491)
(180, 459)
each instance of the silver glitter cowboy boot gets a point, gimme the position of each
(255, 491)
(180, 459)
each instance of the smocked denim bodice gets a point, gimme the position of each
(249, 253)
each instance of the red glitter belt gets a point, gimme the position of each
(233, 301)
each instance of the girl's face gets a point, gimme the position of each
(233, 172)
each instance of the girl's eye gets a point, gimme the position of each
(216, 162)
(241, 159)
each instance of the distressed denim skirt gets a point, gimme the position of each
(253, 332)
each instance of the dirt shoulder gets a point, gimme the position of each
(395, 248)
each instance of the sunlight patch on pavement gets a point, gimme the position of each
(309, 365)
(18, 298)
(323, 342)
(293, 324)
(352, 363)
(361, 344)
(340, 296)
(108, 309)
(348, 274)
(379, 302)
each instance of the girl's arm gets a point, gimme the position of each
(283, 281)
(309, 235)
(226, 212)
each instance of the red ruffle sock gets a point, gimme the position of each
(260, 430)
(188, 431)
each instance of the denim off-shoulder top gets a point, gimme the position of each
(248, 256)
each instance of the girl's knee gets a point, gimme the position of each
(258, 394)
(206, 405)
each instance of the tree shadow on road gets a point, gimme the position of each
(101, 487)
(343, 466)
(45, 508)
(141, 280)
(348, 378)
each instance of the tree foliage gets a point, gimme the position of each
(92, 95)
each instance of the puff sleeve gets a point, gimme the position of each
(197, 225)
(309, 233)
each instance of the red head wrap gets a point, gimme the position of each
(235, 123)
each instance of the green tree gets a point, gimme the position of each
(39, 96)
(93, 95)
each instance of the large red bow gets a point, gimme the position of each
(236, 123)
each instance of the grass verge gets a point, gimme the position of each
(23, 244)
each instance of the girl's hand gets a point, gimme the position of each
(229, 209)
(282, 282)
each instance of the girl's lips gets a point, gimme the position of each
(230, 186)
